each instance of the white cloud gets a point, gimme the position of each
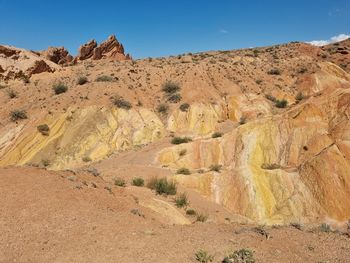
(334, 39)
(223, 31)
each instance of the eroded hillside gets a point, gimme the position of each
(269, 127)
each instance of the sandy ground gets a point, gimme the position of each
(53, 217)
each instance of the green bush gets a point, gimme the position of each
(299, 96)
(325, 228)
(44, 129)
(170, 87)
(180, 140)
(82, 80)
(203, 256)
(122, 103)
(86, 159)
(184, 171)
(162, 186)
(60, 88)
(18, 115)
(240, 256)
(201, 217)
(215, 167)
(104, 78)
(175, 98)
(138, 181)
(184, 107)
(216, 135)
(281, 103)
(274, 71)
(163, 108)
(119, 182)
(190, 212)
(181, 200)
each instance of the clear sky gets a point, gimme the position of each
(152, 28)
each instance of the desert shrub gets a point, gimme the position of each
(180, 140)
(45, 162)
(138, 181)
(162, 186)
(240, 256)
(181, 200)
(299, 96)
(44, 129)
(12, 94)
(325, 228)
(202, 256)
(274, 71)
(86, 159)
(183, 152)
(119, 182)
(60, 88)
(281, 103)
(121, 103)
(170, 87)
(258, 81)
(163, 108)
(16, 115)
(242, 120)
(216, 135)
(184, 107)
(184, 171)
(270, 97)
(190, 212)
(82, 80)
(297, 226)
(174, 98)
(270, 166)
(215, 167)
(104, 78)
(201, 217)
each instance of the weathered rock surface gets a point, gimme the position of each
(110, 48)
(58, 55)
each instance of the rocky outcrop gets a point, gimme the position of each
(58, 55)
(110, 48)
(16, 63)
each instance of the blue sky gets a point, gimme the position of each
(162, 27)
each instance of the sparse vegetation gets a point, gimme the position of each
(240, 256)
(201, 217)
(16, 115)
(203, 256)
(138, 181)
(12, 94)
(45, 162)
(119, 182)
(44, 129)
(325, 228)
(104, 78)
(175, 98)
(215, 167)
(86, 159)
(270, 166)
(190, 212)
(281, 103)
(170, 87)
(181, 200)
(60, 88)
(299, 96)
(216, 135)
(184, 107)
(274, 71)
(184, 171)
(183, 152)
(82, 80)
(121, 103)
(162, 186)
(180, 140)
(163, 108)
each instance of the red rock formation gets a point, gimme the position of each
(110, 48)
(39, 67)
(58, 55)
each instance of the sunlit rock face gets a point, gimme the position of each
(279, 169)
(80, 135)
